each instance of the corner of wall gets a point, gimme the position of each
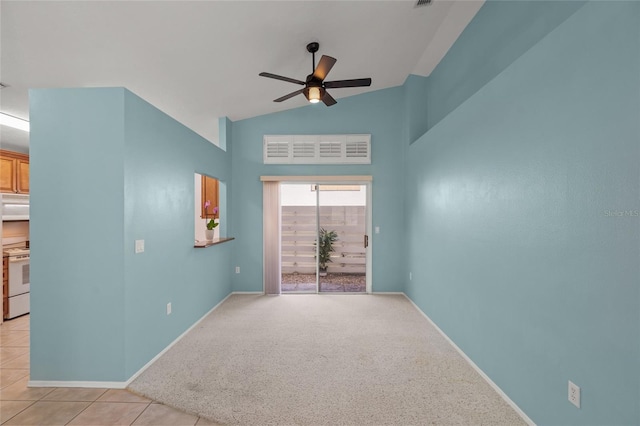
(224, 129)
(415, 92)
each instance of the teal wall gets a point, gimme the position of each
(76, 233)
(379, 113)
(514, 250)
(107, 169)
(160, 159)
(500, 32)
(497, 182)
(416, 97)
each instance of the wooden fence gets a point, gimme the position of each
(299, 235)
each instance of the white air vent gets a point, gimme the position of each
(330, 149)
(277, 149)
(357, 149)
(423, 3)
(304, 149)
(317, 149)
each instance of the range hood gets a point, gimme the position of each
(15, 207)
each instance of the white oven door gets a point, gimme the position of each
(18, 276)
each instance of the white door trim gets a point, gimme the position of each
(344, 180)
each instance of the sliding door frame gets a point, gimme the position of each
(365, 180)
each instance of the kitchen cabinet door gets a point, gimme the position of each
(14, 172)
(209, 192)
(22, 180)
(7, 174)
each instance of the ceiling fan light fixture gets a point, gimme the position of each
(315, 95)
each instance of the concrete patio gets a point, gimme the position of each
(332, 283)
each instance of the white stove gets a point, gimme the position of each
(21, 253)
(19, 285)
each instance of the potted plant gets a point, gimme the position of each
(211, 223)
(325, 241)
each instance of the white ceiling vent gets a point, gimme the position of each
(420, 3)
(330, 149)
(317, 149)
(357, 149)
(304, 149)
(277, 149)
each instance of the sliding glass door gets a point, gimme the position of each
(298, 214)
(323, 238)
(341, 234)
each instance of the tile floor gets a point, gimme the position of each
(20, 405)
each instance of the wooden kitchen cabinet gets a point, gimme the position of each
(7, 174)
(14, 172)
(23, 176)
(210, 189)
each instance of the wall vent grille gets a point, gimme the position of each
(277, 149)
(304, 149)
(423, 3)
(317, 149)
(330, 149)
(357, 149)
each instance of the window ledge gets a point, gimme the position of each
(215, 241)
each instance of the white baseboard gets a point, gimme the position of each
(119, 385)
(71, 384)
(399, 293)
(475, 367)
(155, 358)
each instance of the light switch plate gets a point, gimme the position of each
(139, 246)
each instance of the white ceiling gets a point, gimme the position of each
(199, 60)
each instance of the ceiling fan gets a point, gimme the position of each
(315, 86)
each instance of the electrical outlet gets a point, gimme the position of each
(410, 276)
(377, 229)
(237, 269)
(574, 394)
(169, 308)
(139, 246)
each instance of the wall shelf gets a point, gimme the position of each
(215, 241)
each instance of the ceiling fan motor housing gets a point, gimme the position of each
(312, 81)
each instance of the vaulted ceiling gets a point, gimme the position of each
(200, 60)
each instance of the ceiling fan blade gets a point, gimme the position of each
(324, 66)
(290, 95)
(358, 82)
(279, 77)
(328, 99)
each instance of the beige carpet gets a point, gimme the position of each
(321, 360)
